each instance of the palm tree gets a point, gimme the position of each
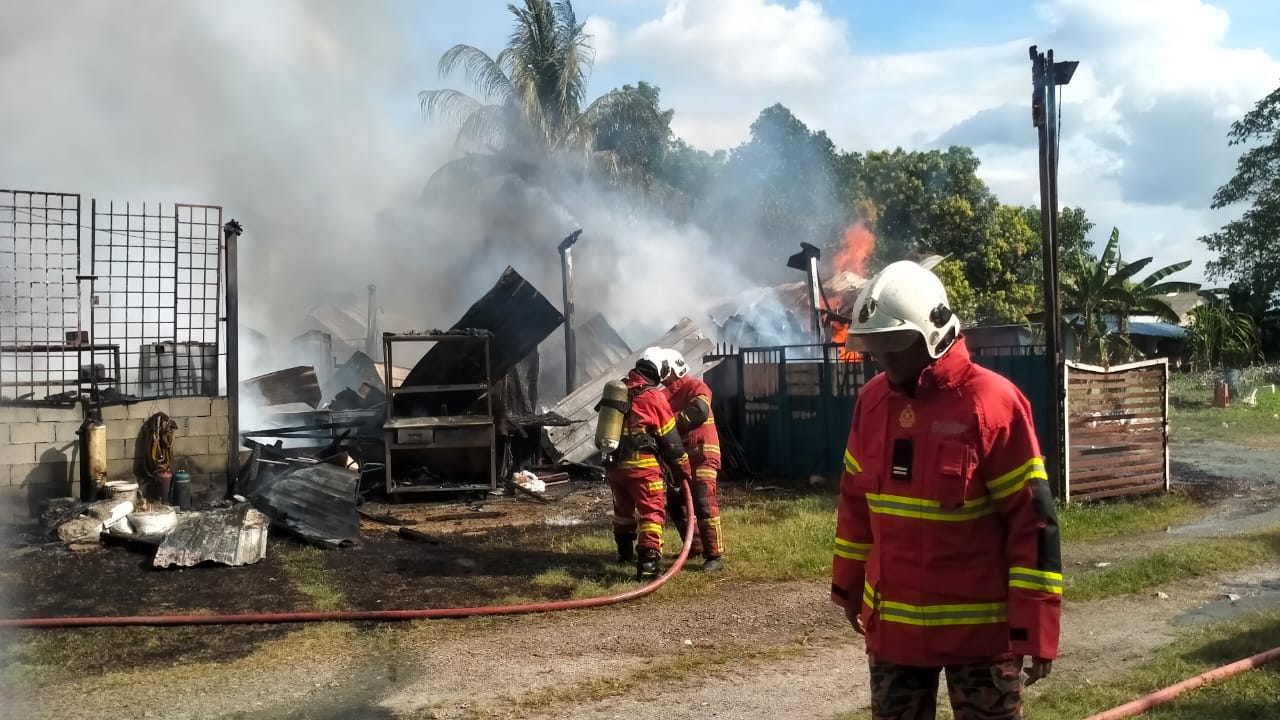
(1095, 288)
(528, 108)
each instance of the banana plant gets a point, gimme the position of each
(1094, 288)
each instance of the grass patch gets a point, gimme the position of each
(1193, 559)
(1106, 519)
(790, 539)
(772, 540)
(1193, 418)
(1251, 695)
(305, 569)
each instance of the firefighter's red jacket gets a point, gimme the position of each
(947, 537)
(649, 431)
(691, 400)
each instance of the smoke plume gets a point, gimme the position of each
(301, 120)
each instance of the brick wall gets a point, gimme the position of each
(40, 451)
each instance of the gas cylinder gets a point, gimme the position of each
(612, 411)
(95, 432)
(1221, 394)
(182, 490)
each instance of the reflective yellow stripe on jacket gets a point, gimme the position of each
(850, 465)
(667, 427)
(1017, 479)
(1030, 579)
(909, 507)
(852, 550)
(935, 615)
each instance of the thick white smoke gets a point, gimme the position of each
(301, 120)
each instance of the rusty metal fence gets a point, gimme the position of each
(1117, 427)
(123, 302)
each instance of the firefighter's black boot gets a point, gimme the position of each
(712, 565)
(647, 566)
(626, 548)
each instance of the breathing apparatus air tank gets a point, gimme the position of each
(612, 410)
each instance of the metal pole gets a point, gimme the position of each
(371, 347)
(1042, 82)
(231, 233)
(570, 343)
(814, 291)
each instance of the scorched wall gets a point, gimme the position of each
(40, 451)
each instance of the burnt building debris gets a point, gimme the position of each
(230, 536)
(285, 387)
(598, 346)
(314, 501)
(516, 316)
(442, 435)
(575, 443)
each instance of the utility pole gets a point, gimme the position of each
(570, 343)
(1046, 76)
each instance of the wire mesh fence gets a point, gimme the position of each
(39, 301)
(125, 301)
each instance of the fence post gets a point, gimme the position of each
(231, 233)
(1064, 483)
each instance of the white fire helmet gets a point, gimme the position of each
(675, 360)
(902, 302)
(657, 357)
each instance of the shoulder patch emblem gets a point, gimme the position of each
(907, 418)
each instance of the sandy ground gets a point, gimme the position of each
(740, 650)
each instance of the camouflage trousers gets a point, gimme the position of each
(977, 692)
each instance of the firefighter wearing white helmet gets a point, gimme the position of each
(691, 401)
(648, 448)
(944, 504)
(902, 302)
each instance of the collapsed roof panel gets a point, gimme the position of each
(598, 345)
(514, 312)
(282, 387)
(576, 443)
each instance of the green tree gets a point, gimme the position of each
(690, 173)
(964, 302)
(1095, 289)
(1248, 248)
(1219, 337)
(1073, 236)
(777, 190)
(997, 267)
(528, 110)
(930, 201)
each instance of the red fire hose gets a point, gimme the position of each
(1161, 697)
(376, 615)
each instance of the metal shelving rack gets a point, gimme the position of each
(429, 434)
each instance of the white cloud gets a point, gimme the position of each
(604, 37)
(1144, 119)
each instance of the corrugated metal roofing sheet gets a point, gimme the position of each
(519, 318)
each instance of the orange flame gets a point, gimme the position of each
(856, 245)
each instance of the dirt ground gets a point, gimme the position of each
(737, 649)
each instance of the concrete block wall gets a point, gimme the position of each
(40, 450)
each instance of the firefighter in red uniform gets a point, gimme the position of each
(635, 473)
(691, 401)
(946, 550)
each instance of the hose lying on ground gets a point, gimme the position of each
(371, 615)
(1160, 697)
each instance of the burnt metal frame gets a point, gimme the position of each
(394, 424)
